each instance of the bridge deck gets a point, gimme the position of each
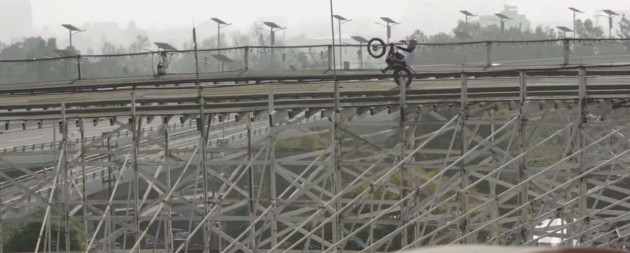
(242, 98)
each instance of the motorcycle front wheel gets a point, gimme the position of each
(376, 48)
(402, 76)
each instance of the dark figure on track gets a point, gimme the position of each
(400, 58)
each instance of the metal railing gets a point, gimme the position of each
(430, 57)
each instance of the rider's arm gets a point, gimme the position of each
(405, 49)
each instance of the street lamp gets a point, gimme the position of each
(341, 20)
(389, 23)
(564, 30)
(361, 41)
(272, 26)
(72, 30)
(575, 13)
(220, 24)
(163, 49)
(611, 14)
(467, 14)
(503, 18)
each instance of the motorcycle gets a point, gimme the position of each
(402, 72)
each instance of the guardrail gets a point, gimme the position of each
(429, 57)
(124, 133)
(75, 141)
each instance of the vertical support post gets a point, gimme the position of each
(2, 224)
(203, 145)
(488, 54)
(574, 25)
(83, 181)
(109, 196)
(252, 194)
(494, 213)
(79, 67)
(135, 136)
(330, 57)
(371, 235)
(203, 120)
(336, 141)
(523, 174)
(336, 225)
(463, 138)
(566, 46)
(219, 45)
(340, 47)
(582, 204)
(360, 55)
(246, 58)
(65, 183)
(610, 25)
(337, 184)
(272, 167)
(168, 235)
(403, 170)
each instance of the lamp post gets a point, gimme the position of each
(341, 20)
(564, 30)
(163, 49)
(220, 24)
(272, 36)
(611, 14)
(361, 40)
(503, 18)
(72, 30)
(467, 14)
(388, 24)
(575, 13)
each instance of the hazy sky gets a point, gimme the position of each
(304, 16)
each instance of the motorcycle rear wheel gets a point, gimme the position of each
(376, 48)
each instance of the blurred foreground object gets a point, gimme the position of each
(511, 249)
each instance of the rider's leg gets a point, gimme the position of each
(389, 65)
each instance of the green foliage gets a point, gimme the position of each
(140, 44)
(22, 237)
(313, 141)
(418, 36)
(624, 27)
(586, 29)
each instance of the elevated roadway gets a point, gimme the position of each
(238, 98)
(303, 95)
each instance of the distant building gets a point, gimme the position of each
(518, 20)
(16, 20)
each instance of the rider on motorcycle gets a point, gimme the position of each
(399, 58)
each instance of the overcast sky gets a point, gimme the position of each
(304, 16)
